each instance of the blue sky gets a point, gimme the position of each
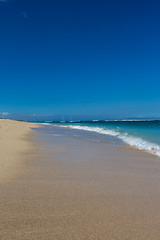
(82, 57)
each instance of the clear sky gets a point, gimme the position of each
(80, 57)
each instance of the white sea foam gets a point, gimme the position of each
(133, 141)
(131, 120)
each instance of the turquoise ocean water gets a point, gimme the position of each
(140, 134)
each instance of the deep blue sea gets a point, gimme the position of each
(140, 134)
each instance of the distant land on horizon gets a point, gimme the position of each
(52, 117)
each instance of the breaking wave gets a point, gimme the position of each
(133, 141)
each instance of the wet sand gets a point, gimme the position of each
(70, 188)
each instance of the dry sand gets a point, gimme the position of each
(71, 189)
(13, 146)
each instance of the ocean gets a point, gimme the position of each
(140, 134)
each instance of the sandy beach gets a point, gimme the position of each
(56, 186)
(13, 146)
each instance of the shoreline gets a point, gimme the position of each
(123, 144)
(71, 189)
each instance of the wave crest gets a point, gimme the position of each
(133, 141)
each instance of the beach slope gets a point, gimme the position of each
(64, 187)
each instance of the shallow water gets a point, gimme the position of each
(143, 135)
